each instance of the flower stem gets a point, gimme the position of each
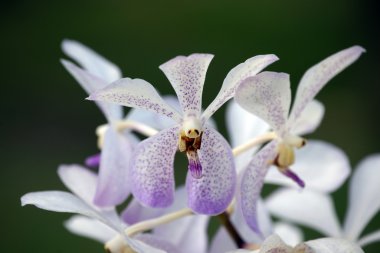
(254, 142)
(226, 222)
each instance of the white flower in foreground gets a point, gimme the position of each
(268, 96)
(316, 210)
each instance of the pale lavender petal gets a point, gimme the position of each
(318, 76)
(364, 201)
(221, 242)
(333, 245)
(187, 76)
(370, 238)
(158, 243)
(212, 193)
(252, 183)
(323, 166)
(250, 67)
(92, 161)
(267, 95)
(136, 212)
(135, 93)
(290, 234)
(152, 169)
(309, 208)
(91, 61)
(90, 228)
(91, 83)
(309, 119)
(113, 185)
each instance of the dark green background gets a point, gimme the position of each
(45, 120)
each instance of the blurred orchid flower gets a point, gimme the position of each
(316, 210)
(103, 224)
(268, 96)
(211, 178)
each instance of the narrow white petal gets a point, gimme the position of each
(364, 201)
(308, 208)
(187, 76)
(370, 238)
(291, 234)
(267, 95)
(318, 76)
(250, 67)
(309, 119)
(136, 93)
(90, 228)
(323, 166)
(91, 61)
(333, 245)
(91, 83)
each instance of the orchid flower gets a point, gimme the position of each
(268, 96)
(316, 210)
(211, 178)
(103, 224)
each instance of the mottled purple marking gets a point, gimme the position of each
(194, 166)
(93, 161)
(287, 172)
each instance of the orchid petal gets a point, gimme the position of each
(252, 183)
(135, 93)
(250, 67)
(187, 76)
(136, 212)
(323, 166)
(291, 235)
(308, 208)
(222, 242)
(266, 95)
(318, 76)
(213, 192)
(364, 201)
(113, 184)
(333, 245)
(159, 245)
(309, 119)
(90, 228)
(91, 61)
(274, 244)
(370, 238)
(152, 169)
(91, 83)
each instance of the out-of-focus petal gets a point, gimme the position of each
(275, 244)
(113, 185)
(267, 95)
(333, 245)
(135, 93)
(364, 201)
(187, 76)
(90, 228)
(309, 119)
(91, 83)
(136, 212)
(317, 77)
(250, 67)
(308, 208)
(370, 238)
(91, 61)
(322, 166)
(152, 176)
(252, 183)
(213, 192)
(290, 234)
(221, 242)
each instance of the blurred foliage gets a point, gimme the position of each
(45, 120)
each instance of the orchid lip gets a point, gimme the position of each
(290, 174)
(93, 161)
(194, 166)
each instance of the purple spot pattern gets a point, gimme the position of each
(136, 93)
(212, 193)
(317, 77)
(252, 183)
(249, 68)
(267, 95)
(152, 178)
(187, 76)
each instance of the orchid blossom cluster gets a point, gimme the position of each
(221, 181)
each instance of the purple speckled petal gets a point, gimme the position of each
(309, 119)
(212, 193)
(317, 77)
(136, 93)
(91, 83)
(187, 76)
(252, 183)
(113, 185)
(250, 67)
(152, 176)
(92, 161)
(267, 95)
